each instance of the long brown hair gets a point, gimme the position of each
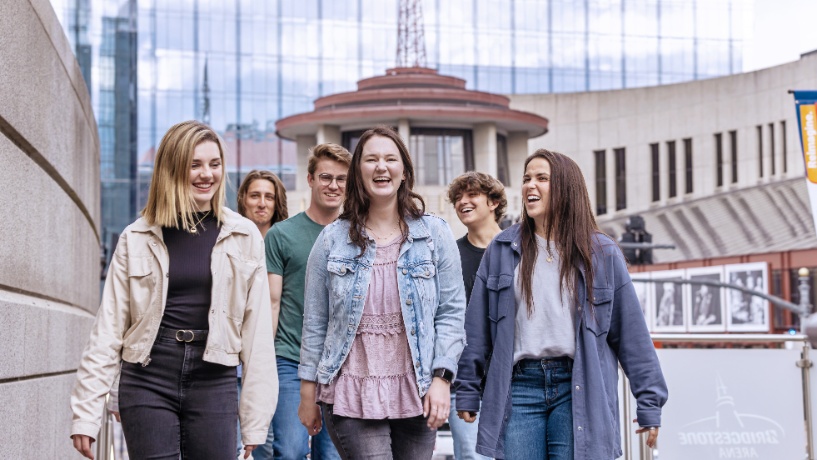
(356, 201)
(279, 211)
(570, 223)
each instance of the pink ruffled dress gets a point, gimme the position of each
(377, 379)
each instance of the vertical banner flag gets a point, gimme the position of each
(806, 105)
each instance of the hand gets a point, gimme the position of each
(437, 403)
(248, 450)
(83, 444)
(653, 434)
(116, 416)
(310, 415)
(469, 417)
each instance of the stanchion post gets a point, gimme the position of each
(628, 418)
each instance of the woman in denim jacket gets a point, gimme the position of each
(552, 314)
(383, 314)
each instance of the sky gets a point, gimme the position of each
(782, 30)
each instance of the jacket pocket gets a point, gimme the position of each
(341, 276)
(497, 286)
(598, 317)
(141, 284)
(423, 276)
(240, 276)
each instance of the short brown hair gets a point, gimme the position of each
(327, 151)
(482, 183)
(280, 211)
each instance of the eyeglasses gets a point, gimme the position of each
(327, 179)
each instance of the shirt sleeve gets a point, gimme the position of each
(272, 248)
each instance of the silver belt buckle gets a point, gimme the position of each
(185, 335)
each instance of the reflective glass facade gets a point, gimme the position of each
(240, 65)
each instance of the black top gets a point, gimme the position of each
(470, 256)
(190, 280)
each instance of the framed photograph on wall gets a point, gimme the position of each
(644, 293)
(705, 303)
(668, 300)
(746, 312)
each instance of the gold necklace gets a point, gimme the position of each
(194, 228)
(383, 238)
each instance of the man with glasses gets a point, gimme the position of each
(288, 244)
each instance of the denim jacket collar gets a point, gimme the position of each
(416, 230)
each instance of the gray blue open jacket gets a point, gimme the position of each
(610, 328)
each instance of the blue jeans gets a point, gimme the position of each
(541, 422)
(287, 438)
(178, 406)
(464, 434)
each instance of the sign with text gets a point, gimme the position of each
(732, 404)
(806, 105)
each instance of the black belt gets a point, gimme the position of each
(183, 335)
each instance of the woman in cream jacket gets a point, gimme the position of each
(186, 299)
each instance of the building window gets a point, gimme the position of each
(673, 170)
(773, 168)
(601, 182)
(733, 140)
(783, 145)
(688, 165)
(621, 179)
(656, 172)
(440, 155)
(719, 159)
(759, 150)
(502, 161)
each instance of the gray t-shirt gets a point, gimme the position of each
(549, 332)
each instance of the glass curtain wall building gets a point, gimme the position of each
(240, 65)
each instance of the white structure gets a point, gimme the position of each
(744, 190)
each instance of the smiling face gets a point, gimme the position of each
(381, 169)
(328, 197)
(259, 202)
(474, 208)
(536, 190)
(205, 174)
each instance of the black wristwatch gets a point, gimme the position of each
(444, 374)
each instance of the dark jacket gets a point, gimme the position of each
(613, 330)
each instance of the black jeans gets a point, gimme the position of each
(178, 406)
(399, 439)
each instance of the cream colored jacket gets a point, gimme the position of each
(133, 303)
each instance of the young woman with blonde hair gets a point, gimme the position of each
(186, 299)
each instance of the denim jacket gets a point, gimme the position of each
(432, 297)
(610, 331)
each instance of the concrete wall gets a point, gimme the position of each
(49, 256)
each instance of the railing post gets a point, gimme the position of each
(628, 418)
(805, 365)
(104, 445)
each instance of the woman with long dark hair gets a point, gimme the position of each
(186, 299)
(383, 316)
(552, 314)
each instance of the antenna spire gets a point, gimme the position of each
(411, 46)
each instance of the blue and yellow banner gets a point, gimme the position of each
(806, 106)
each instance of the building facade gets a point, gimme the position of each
(714, 167)
(242, 65)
